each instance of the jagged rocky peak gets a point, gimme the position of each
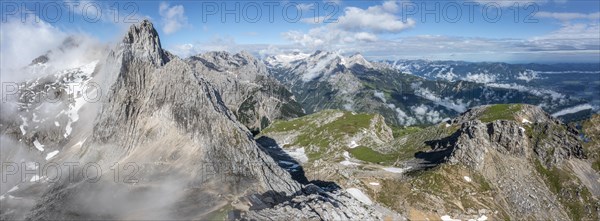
(42, 59)
(285, 60)
(358, 59)
(242, 66)
(293, 59)
(318, 60)
(357, 55)
(230, 61)
(175, 126)
(318, 52)
(246, 55)
(318, 55)
(246, 88)
(70, 42)
(67, 45)
(513, 146)
(517, 130)
(144, 42)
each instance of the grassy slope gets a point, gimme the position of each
(574, 197)
(500, 112)
(319, 138)
(591, 130)
(442, 188)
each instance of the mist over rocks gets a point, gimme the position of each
(164, 115)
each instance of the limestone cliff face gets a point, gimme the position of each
(142, 42)
(163, 116)
(155, 96)
(180, 151)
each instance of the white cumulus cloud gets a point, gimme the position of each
(172, 18)
(21, 41)
(378, 19)
(354, 25)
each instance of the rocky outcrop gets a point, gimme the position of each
(513, 153)
(317, 204)
(254, 97)
(142, 42)
(476, 138)
(530, 133)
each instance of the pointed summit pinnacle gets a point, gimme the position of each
(145, 43)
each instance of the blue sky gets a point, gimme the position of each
(525, 31)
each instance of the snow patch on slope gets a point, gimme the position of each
(315, 69)
(396, 169)
(298, 154)
(285, 60)
(468, 179)
(347, 161)
(38, 145)
(448, 218)
(480, 78)
(51, 154)
(22, 127)
(359, 195)
(76, 89)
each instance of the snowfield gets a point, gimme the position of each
(359, 195)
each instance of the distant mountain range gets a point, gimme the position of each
(424, 92)
(577, 80)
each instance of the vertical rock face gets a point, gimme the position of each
(146, 103)
(168, 147)
(143, 42)
(166, 119)
(476, 138)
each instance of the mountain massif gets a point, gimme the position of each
(492, 162)
(328, 80)
(322, 136)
